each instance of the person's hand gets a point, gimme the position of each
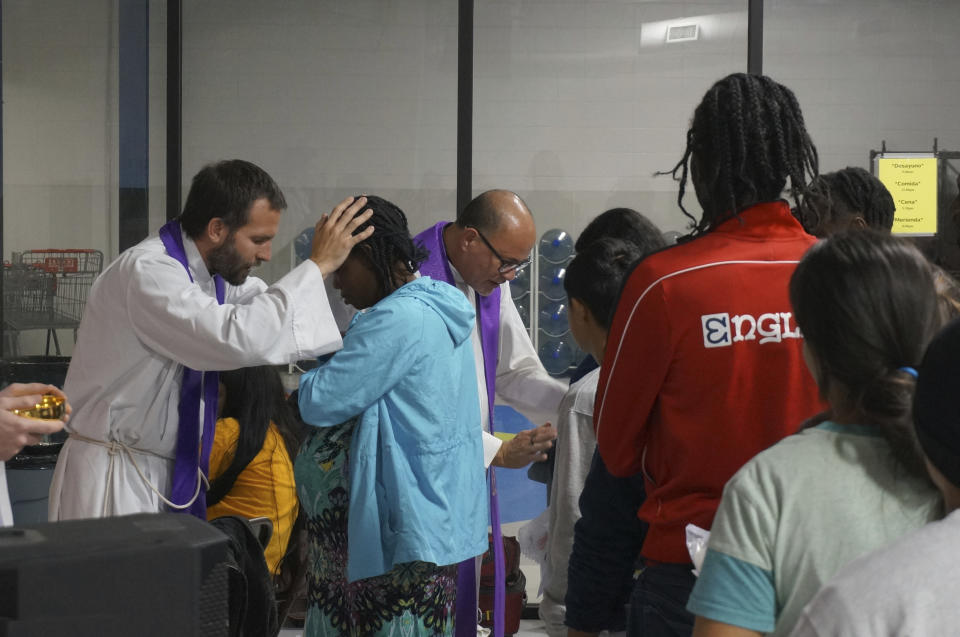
(526, 447)
(333, 237)
(16, 432)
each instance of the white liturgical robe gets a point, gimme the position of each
(143, 322)
(521, 382)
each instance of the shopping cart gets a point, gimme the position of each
(47, 289)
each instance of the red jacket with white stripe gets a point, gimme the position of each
(703, 369)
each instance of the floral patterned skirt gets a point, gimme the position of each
(412, 599)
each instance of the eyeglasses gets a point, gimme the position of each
(506, 265)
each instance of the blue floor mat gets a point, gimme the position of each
(521, 498)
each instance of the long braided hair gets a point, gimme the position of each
(747, 137)
(838, 196)
(390, 246)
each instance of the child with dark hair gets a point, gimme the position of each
(251, 461)
(848, 198)
(592, 571)
(703, 367)
(392, 477)
(625, 224)
(593, 282)
(863, 600)
(797, 512)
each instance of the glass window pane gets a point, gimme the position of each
(578, 104)
(865, 71)
(59, 166)
(869, 71)
(331, 98)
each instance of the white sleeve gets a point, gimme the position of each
(522, 382)
(291, 320)
(491, 445)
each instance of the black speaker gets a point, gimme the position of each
(156, 574)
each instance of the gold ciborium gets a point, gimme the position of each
(50, 407)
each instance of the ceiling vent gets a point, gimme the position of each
(683, 33)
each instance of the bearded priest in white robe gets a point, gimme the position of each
(151, 315)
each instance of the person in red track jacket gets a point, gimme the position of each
(704, 366)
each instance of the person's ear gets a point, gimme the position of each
(579, 311)
(217, 230)
(576, 308)
(468, 237)
(858, 222)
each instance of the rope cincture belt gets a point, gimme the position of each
(114, 448)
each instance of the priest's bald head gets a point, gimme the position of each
(491, 240)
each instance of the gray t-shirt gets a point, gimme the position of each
(796, 513)
(908, 589)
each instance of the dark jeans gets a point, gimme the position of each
(606, 541)
(658, 602)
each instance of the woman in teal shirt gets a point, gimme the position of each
(392, 479)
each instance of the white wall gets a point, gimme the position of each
(865, 71)
(331, 98)
(577, 102)
(59, 125)
(59, 132)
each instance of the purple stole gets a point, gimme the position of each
(187, 491)
(488, 319)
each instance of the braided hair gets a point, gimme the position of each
(747, 137)
(834, 198)
(390, 246)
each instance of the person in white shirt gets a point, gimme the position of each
(16, 432)
(155, 312)
(911, 586)
(592, 283)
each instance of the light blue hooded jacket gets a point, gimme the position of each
(417, 481)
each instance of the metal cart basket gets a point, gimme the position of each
(48, 290)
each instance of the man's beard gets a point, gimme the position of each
(227, 262)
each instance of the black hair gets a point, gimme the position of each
(482, 213)
(838, 196)
(746, 139)
(227, 189)
(867, 306)
(390, 244)
(626, 224)
(255, 398)
(595, 276)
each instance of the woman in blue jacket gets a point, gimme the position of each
(392, 477)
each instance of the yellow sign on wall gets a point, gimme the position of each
(912, 180)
